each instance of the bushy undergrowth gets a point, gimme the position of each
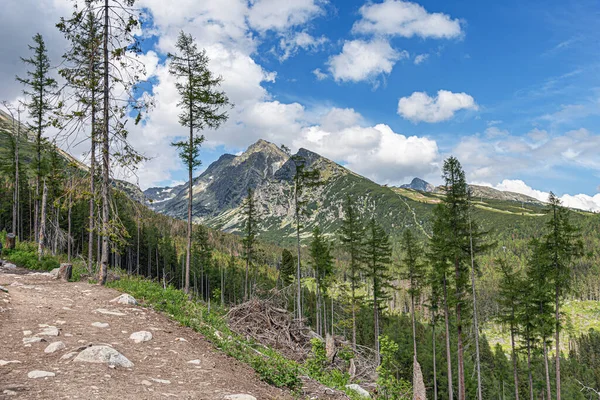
(25, 255)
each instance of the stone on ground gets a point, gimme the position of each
(239, 397)
(164, 381)
(110, 312)
(100, 324)
(3, 362)
(68, 356)
(52, 347)
(141, 336)
(103, 354)
(359, 390)
(33, 339)
(54, 272)
(195, 362)
(50, 331)
(9, 266)
(124, 299)
(3, 289)
(40, 374)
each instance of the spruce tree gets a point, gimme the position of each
(287, 268)
(377, 256)
(304, 178)
(82, 71)
(250, 233)
(351, 237)
(201, 103)
(40, 92)
(561, 245)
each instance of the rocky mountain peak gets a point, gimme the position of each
(419, 184)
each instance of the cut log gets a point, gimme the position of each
(65, 271)
(10, 241)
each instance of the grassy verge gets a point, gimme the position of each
(270, 365)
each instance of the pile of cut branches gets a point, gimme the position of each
(270, 325)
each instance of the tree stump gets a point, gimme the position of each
(10, 241)
(330, 348)
(65, 271)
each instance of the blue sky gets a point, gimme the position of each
(388, 88)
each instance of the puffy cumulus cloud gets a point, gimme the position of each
(290, 45)
(376, 152)
(406, 19)
(364, 60)
(420, 107)
(280, 15)
(579, 201)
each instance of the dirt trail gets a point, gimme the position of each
(161, 366)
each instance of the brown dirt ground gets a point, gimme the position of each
(36, 299)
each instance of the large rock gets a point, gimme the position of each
(54, 272)
(103, 354)
(33, 339)
(141, 336)
(8, 265)
(40, 374)
(124, 299)
(359, 390)
(50, 331)
(239, 397)
(52, 347)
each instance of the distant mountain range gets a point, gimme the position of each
(219, 192)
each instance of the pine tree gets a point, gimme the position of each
(250, 233)
(351, 238)
(322, 263)
(414, 272)
(201, 104)
(40, 90)
(377, 256)
(561, 245)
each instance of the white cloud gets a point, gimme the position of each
(376, 152)
(578, 201)
(421, 58)
(364, 60)
(299, 40)
(420, 107)
(403, 18)
(280, 15)
(320, 75)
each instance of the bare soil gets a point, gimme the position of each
(37, 299)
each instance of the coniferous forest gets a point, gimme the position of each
(461, 304)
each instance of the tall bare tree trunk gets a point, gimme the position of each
(376, 318)
(353, 318)
(448, 353)
(435, 389)
(69, 244)
(530, 376)
(459, 337)
(92, 185)
(557, 340)
(514, 358)
(188, 254)
(547, 369)
(105, 154)
(42, 227)
(475, 320)
(299, 284)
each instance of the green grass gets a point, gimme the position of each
(270, 365)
